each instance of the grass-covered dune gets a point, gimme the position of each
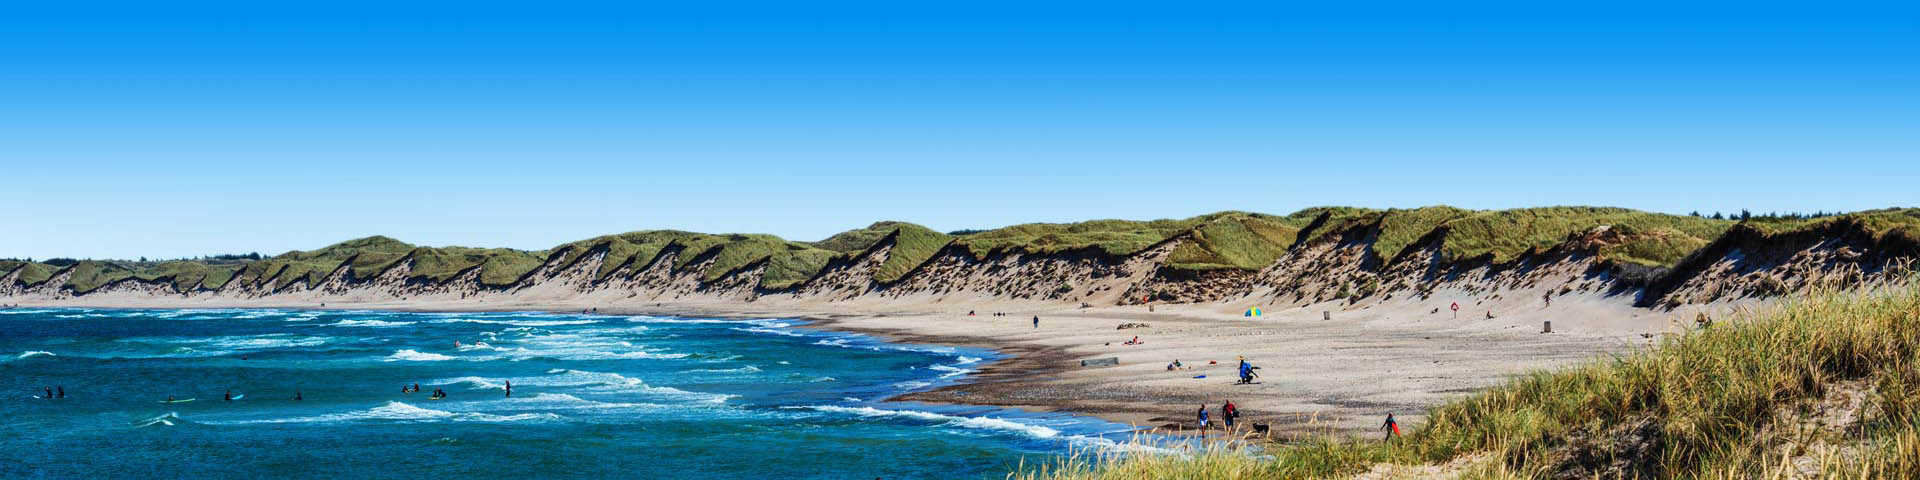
(1822, 385)
(1219, 241)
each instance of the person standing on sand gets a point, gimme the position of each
(1036, 321)
(1392, 427)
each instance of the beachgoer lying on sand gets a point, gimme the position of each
(1135, 341)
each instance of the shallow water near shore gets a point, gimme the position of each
(593, 396)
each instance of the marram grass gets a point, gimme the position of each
(1726, 401)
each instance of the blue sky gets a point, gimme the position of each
(161, 130)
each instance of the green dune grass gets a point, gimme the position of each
(30, 272)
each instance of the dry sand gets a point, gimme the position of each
(1344, 374)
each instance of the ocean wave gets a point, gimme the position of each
(563, 401)
(517, 323)
(34, 353)
(17, 311)
(165, 419)
(416, 356)
(745, 369)
(401, 412)
(774, 331)
(951, 371)
(614, 382)
(368, 323)
(981, 423)
(261, 342)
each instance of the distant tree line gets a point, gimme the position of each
(1745, 215)
(964, 232)
(227, 257)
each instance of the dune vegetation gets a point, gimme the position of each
(912, 245)
(1821, 385)
(1219, 241)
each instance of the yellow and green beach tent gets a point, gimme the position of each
(1253, 312)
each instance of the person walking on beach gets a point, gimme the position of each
(1203, 419)
(1392, 427)
(1229, 412)
(1036, 321)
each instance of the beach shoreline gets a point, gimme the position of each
(1317, 376)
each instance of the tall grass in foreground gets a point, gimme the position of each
(1761, 396)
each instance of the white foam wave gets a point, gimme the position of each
(368, 323)
(614, 382)
(262, 342)
(567, 402)
(745, 369)
(951, 371)
(517, 323)
(416, 356)
(402, 412)
(774, 331)
(34, 353)
(982, 423)
(164, 419)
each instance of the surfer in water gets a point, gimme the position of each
(169, 398)
(60, 391)
(509, 388)
(49, 393)
(229, 396)
(296, 395)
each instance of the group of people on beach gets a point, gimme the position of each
(1228, 413)
(1036, 318)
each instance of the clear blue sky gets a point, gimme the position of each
(163, 129)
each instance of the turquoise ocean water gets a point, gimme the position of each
(594, 396)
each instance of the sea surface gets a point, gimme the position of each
(594, 396)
